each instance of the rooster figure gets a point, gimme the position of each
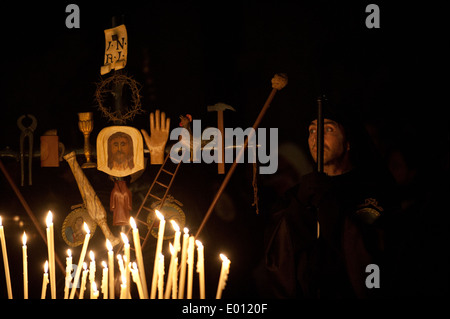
(185, 122)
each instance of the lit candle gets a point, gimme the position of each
(95, 292)
(104, 285)
(126, 248)
(170, 274)
(120, 262)
(25, 266)
(80, 262)
(5, 260)
(190, 261)
(83, 280)
(111, 269)
(137, 280)
(51, 253)
(183, 263)
(173, 251)
(44, 280)
(140, 259)
(68, 272)
(161, 276)
(223, 275)
(92, 270)
(176, 240)
(123, 288)
(201, 268)
(162, 226)
(174, 279)
(127, 274)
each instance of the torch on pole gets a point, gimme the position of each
(279, 81)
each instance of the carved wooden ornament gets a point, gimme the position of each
(120, 151)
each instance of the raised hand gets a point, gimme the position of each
(159, 133)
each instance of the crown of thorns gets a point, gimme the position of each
(106, 89)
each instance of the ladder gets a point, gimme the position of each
(162, 182)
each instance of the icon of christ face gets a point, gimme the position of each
(120, 151)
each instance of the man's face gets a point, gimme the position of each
(335, 145)
(120, 149)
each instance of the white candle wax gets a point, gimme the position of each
(223, 275)
(173, 252)
(51, 254)
(139, 257)
(5, 261)
(92, 270)
(126, 248)
(174, 279)
(123, 287)
(83, 280)
(162, 225)
(111, 269)
(170, 273)
(201, 268)
(44, 281)
(161, 277)
(137, 280)
(104, 285)
(25, 266)
(121, 267)
(95, 291)
(80, 262)
(183, 264)
(190, 261)
(68, 273)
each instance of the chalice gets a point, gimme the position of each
(86, 125)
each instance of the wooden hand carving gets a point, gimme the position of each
(159, 133)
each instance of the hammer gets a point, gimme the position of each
(220, 107)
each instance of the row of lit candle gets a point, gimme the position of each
(174, 288)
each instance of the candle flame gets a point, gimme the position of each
(132, 223)
(124, 238)
(108, 245)
(224, 258)
(49, 219)
(86, 228)
(199, 244)
(69, 253)
(1, 221)
(171, 248)
(91, 255)
(24, 239)
(46, 266)
(104, 264)
(186, 230)
(175, 225)
(85, 266)
(94, 286)
(134, 265)
(159, 215)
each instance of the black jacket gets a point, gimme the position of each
(349, 209)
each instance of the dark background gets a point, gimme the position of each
(188, 55)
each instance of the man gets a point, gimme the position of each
(328, 228)
(120, 152)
